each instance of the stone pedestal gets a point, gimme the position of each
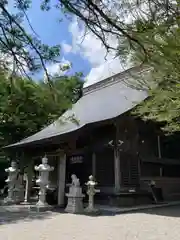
(91, 191)
(10, 198)
(75, 204)
(19, 193)
(40, 208)
(42, 196)
(75, 197)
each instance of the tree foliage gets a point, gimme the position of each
(147, 33)
(161, 37)
(27, 106)
(144, 32)
(20, 51)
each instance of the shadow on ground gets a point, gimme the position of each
(169, 211)
(7, 217)
(16, 216)
(166, 211)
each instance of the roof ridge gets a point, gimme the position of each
(112, 80)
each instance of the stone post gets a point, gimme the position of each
(25, 178)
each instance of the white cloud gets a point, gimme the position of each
(66, 47)
(56, 68)
(53, 69)
(90, 47)
(105, 70)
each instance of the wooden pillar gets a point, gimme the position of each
(29, 176)
(159, 154)
(159, 146)
(117, 170)
(117, 174)
(94, 164)
(161, 172)
(61, 179)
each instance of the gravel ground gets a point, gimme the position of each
(156, 224)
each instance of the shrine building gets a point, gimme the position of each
(100, 136)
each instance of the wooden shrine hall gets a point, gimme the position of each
(99, 136)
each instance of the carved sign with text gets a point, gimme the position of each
(76, 159)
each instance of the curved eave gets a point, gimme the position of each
(106, 102)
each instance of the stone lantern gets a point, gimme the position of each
(13, 172)
(43, 181)
(91, 191)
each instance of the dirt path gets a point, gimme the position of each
(157, 224)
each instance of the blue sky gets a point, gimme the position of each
(51, 31)
(86, 57)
